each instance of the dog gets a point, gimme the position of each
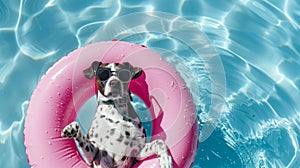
(116, 137)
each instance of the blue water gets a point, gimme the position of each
(257, 44)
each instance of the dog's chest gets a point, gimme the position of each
(115, 135)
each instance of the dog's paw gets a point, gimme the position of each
(71, 130)
(165, 161)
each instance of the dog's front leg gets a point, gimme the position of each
(89, 150)
(159, 148)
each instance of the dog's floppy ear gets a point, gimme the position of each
(91, 71)
(137, 72)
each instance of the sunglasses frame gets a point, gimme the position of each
(110, 72)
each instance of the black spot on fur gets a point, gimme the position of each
(139, 125)
(96, 135)
(126, 142)
(72, 131)
(104, 153)
(120, 139)
(117, 122)
(81, 144)
(112, 131)
(127, 134)
(102, 116)
(87, 148)
(123, 158)
(110, 120)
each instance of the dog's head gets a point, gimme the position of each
(112, 78)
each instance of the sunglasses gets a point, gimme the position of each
(104, 73)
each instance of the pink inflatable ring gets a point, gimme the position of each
(64, 89)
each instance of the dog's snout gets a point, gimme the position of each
(114, 83)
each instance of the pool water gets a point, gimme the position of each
(256, 73)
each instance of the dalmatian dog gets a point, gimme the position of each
(116, 137)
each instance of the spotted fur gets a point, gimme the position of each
(116, 137)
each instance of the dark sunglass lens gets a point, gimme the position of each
(124, 75)
(103, 74)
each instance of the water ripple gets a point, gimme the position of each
(57, 23)
(10, 142)
(257, 42)
(9, 51)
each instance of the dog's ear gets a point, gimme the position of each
(91, 71)
(137, 72)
